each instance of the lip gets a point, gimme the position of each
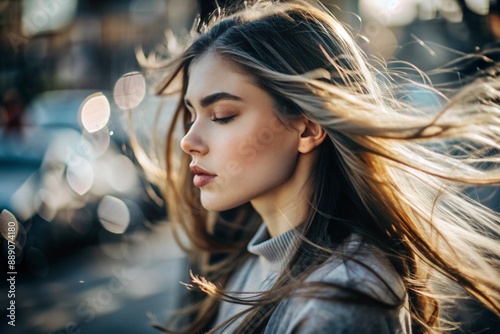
(201, 176)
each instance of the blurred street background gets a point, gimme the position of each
(94, 250)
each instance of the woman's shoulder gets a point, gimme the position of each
(329, 317)
(363, 268)
(364, 284)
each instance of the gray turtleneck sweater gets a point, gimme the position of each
(311, 315)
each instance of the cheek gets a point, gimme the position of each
(266, 156)
(264, 139)
(250, 164)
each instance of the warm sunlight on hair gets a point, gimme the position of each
(202, 283)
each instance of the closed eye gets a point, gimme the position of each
(223, 120)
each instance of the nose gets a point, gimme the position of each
(192, 143)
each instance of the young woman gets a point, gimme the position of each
(314, 198)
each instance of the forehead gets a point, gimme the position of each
(212, 73)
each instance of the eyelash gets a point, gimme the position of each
(222, 120)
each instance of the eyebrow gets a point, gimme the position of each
(213, 98)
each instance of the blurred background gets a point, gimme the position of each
(94, 252)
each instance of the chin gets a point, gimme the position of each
(217, 207)
(214, 204)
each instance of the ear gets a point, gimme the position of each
(311, 135)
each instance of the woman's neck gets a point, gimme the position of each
(286, 207)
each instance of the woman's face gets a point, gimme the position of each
(240, 151)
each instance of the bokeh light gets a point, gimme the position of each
(451, 11)
(47, 15)
(12, 230)
(129, 90)
(113, 214)
(96, 143)
(389, 13)
(95, 112)
(9, 227)
(54, 193)
(382, 39)
(122, 175)
(480, 7)
(80, 175)
(23, 199)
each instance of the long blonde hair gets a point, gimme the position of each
(399, 171)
